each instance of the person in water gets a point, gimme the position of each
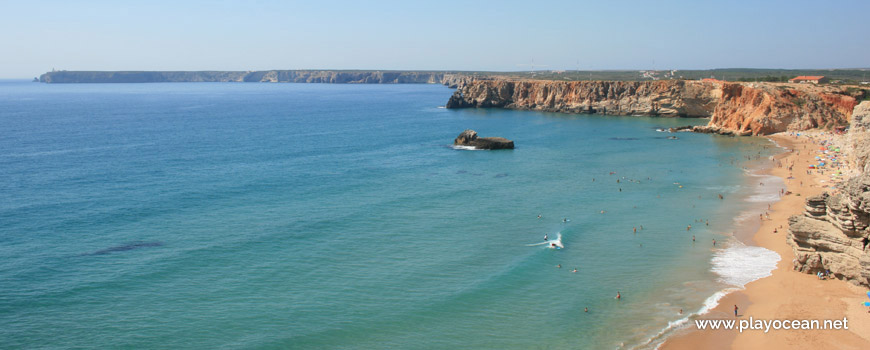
(575, 270)
(618, 296)
(545, 237)
(585, 309)
(693, 238)
(714, 242)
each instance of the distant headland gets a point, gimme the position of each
(737, 101)
(339, 76)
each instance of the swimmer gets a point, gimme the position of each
(693, 238)
(635, 230)
(714, 242)
(545, 237)
(688, 227)
(539, 216)
(559, 266)
(681, 311)
(565, 220)
(585, 309)
(618, 296)
(575, 270)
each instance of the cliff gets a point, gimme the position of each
(733, 108)
(833, 232)
(282, 76)
(664, 98)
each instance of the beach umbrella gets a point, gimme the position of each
(867, 303)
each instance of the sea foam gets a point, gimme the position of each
(739, 264)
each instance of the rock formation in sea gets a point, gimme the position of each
(833, 233)
(733, 108)
(469, 138)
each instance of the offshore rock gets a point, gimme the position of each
(469, 138)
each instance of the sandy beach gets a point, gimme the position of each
(787, 294)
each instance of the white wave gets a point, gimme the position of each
(552, 244)
(746, 215)
(710, 303)
(465, 148)
(739, 264)
(763, 197)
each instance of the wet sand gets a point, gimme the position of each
(786, 294)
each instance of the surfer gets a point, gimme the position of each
(545, 237)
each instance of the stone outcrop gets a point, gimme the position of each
(469, 138)
(833, 233)
(733, 108)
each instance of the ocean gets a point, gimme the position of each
(316, 216)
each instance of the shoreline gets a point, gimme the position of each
(773, 297)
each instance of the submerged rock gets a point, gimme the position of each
(469, 138)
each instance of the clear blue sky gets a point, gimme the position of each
(436, 35)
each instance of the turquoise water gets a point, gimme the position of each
(337, 216)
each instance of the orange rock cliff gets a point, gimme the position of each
(733, 108)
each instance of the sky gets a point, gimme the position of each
(506, 35)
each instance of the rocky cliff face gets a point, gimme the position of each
(735, 108)
(666, 98)
(761, 109)
(833, 233)
(283, 76)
